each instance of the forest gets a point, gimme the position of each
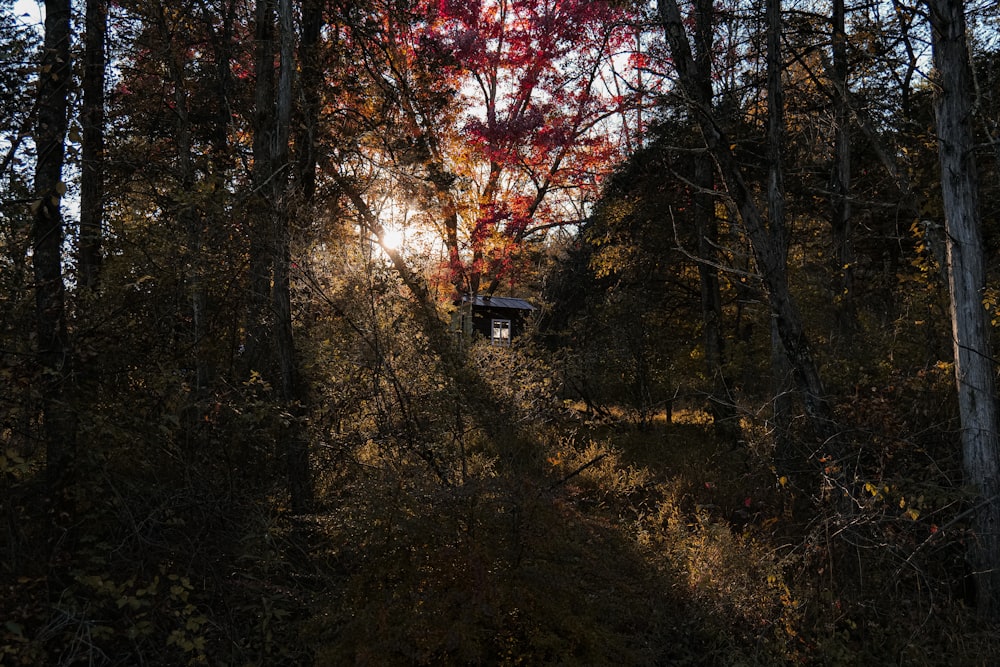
(499, 332)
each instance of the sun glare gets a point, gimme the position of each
(392, 239)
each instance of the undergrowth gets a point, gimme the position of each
(573, 542)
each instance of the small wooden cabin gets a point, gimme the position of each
(500, 319)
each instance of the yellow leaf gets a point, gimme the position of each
(913, 514)
(782, 480)
(61, 188)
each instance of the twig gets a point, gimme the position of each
(578, 470)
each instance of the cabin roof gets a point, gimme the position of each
(499, 302)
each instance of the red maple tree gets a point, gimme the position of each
(502, 113)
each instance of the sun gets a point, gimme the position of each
(392, 239)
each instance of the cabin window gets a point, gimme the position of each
(500, 332)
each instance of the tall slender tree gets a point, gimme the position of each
(310, 98)
(777, 225)
(263, 171)
(766, 240)
(50, 143)
(706, 226)
(270, 258)
(840, 214)
(92, 116)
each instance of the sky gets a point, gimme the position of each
(30, 11)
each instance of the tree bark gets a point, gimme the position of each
(258, 316)
(269, 323)
(974, 369)
(782, 405)
(310, 85)
(92, 159)
(840, 214)
(53, 342)
(706, 226)
(296, 446)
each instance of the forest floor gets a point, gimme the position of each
(621, 545)
(599, 542)
(624, 545)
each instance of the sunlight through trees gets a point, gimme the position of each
(446, 332)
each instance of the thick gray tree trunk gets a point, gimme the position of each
(974, 368)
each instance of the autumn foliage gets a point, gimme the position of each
(254, 426)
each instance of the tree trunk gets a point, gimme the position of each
(270, 340)
(840, 214)
(53, 342)
(310, 85)
(706, 226)
(767, 246)
(776, 223)
(92, 159)
(974, 372)
(296, 446)
(257, 327)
